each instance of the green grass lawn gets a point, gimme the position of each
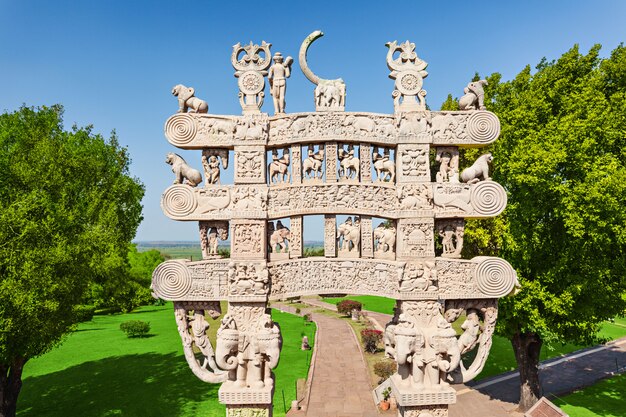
(604, 399)
(501, 357)
(100, 372)
(370, 302)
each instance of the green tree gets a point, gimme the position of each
(68, 211)
(561, 157)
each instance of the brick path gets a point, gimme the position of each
(340, 386)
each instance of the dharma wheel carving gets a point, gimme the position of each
(331, 162)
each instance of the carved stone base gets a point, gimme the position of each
(410, 396)
(254, 410)
(424, 411)
(230, 395)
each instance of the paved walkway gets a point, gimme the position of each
(340, 383)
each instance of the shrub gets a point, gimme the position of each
(84, 312)
(298, 310)
(371, 338)
(346, 306)
(307, 318)
(135, 328)
(385, 368)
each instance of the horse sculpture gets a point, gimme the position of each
(279, 169)
(385, 168)
(312, 165)
(348, 165)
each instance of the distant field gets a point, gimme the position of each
(192, 251)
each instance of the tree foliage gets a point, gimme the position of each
(561, 156)
(68, 211)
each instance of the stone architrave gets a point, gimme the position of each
(367, 239)
(330, 236)
(395, 259)
(296, 242)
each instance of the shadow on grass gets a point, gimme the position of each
(149, 384)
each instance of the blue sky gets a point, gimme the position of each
(113, 63)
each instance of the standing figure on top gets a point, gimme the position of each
(278, 74)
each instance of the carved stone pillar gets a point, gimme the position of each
(331, 162)
(248, 239)
(365, 155)
(295, 243)
(412, 163)
(367, 239)
(296, 164)
(330, 236)
(250, 165)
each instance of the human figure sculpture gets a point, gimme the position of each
(474, 98)
(187, 102)
(278, 74)
(471, 327)
(183, 173)
(479, 171)
(448, 165)
(211, 169)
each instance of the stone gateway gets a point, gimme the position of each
(331, 162)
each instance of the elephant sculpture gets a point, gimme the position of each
(426, 356)
(249, 356)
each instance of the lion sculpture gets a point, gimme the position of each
(184, 174)
(478, 171)
(187, 101)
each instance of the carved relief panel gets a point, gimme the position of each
(248, 239)
(296, 242)
(413, 163)
(296, 164)
(416, 238)
(330, 236)
(331, 162)
(367, 238)
(249, 164)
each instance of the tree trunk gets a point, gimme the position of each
(527, 347)
(10, 386)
